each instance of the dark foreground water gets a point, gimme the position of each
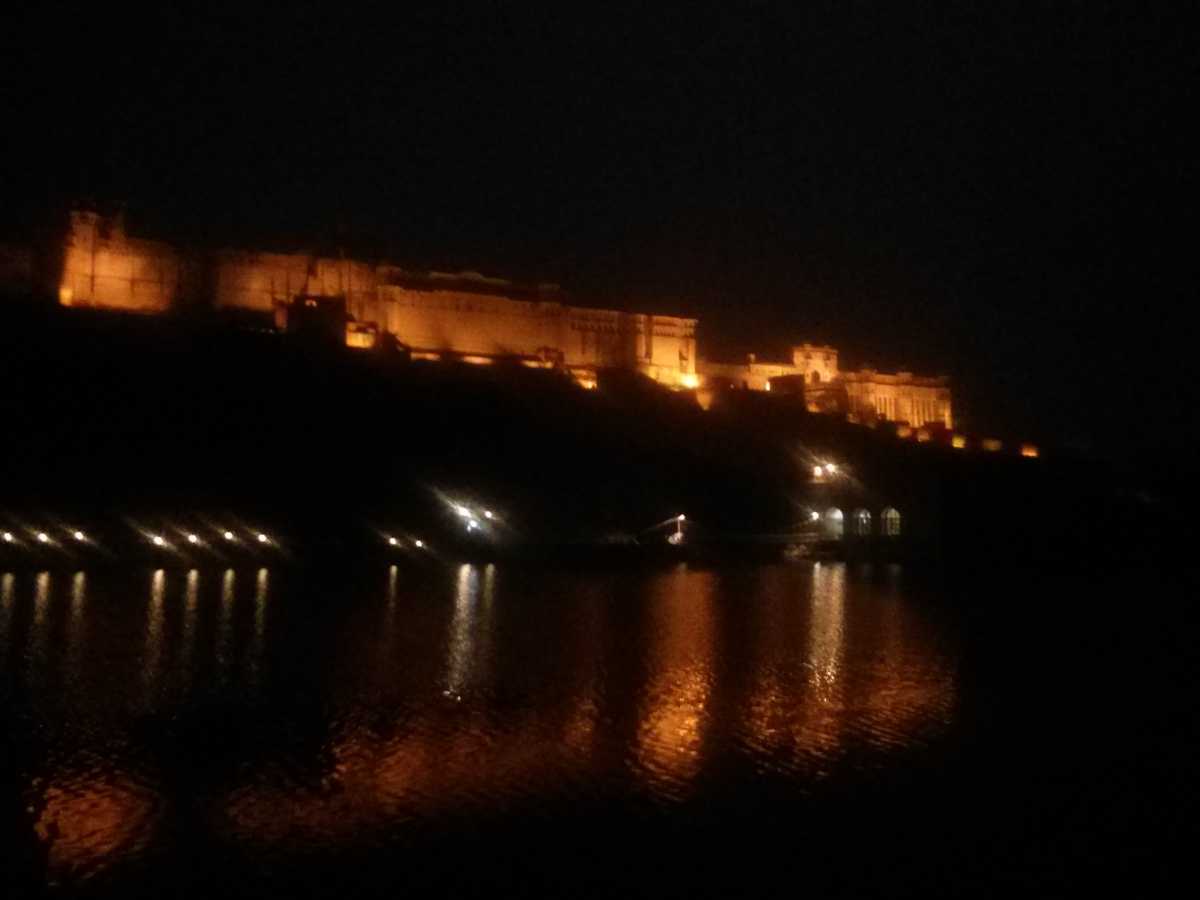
(813, 730)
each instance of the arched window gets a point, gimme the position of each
(832, 524)
(861, 522)
(891, 522)
(816, 377)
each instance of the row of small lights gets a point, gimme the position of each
(395, 542)
(156, 539)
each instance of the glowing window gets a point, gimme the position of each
(862, 523)
(833, 525)
(891, 522)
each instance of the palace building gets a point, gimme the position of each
(461, 316)
(863, 395)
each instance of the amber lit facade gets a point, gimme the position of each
(863, 395)
(468, 317)
(432, 315)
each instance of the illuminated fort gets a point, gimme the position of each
(465, 317)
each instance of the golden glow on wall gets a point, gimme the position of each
(1029, 450)
(465, 315)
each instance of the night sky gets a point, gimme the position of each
(992, 190)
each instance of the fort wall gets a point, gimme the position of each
(469, 317)
(104, 268)
(433, 314)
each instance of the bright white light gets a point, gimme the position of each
(228, 535)
(689, 381)
(157, 541)
(487, 514)
(262, 538)
(419, 544)
(393, 541)
(818, 471)
(8, 538)
(830, 468)
(472, 525)
(680, 518)
(814, 515)
(78, 535)
(462, 511)
(43, 538)
(767, 386)
(193, 539)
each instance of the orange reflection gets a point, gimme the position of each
(86, 822)
(449, 756)
(807, 714)
(674, 708)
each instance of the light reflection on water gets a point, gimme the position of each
(674, 712)
(6, 603)
(324, 714)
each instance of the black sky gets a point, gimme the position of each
(993, 190)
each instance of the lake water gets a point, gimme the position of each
(501, 729)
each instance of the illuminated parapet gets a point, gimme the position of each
(922, 402)
(104, 268)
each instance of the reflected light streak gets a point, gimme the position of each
(225, 624)
(261, 585)
(191, 595)
(75, 621)
(461, 649)
(674, 710)
(154, 633)
(6, 597)
(41, 598)
(826, 633)
(870, 685)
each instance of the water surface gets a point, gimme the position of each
(481, 728)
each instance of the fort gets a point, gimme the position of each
(461, 316)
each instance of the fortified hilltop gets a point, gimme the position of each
(462, 316)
